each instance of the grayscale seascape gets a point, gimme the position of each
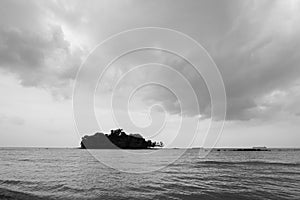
(150, 99)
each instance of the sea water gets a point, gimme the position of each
(34, 173)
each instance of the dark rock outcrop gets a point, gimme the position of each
(117, 139)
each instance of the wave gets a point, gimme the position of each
(38, 186)
(16, 182)
(254, 162)
(64, 188)
(25, 160)
(11, 194)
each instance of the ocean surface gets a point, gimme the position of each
(32, 173)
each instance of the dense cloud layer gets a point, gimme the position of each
(35, 49)
(255, 44)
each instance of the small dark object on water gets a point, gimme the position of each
(245, 149)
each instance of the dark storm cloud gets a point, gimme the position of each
(258, 55)
(25, 52)
(34, 48)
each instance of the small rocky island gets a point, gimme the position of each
(117, 139)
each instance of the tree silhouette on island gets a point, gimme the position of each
(117, 139)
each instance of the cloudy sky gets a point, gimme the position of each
(254, 43)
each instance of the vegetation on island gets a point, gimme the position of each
(117, 139)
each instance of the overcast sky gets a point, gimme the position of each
(254, 43)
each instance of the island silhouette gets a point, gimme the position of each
(117, 139)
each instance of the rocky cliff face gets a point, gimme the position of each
(117, 139)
